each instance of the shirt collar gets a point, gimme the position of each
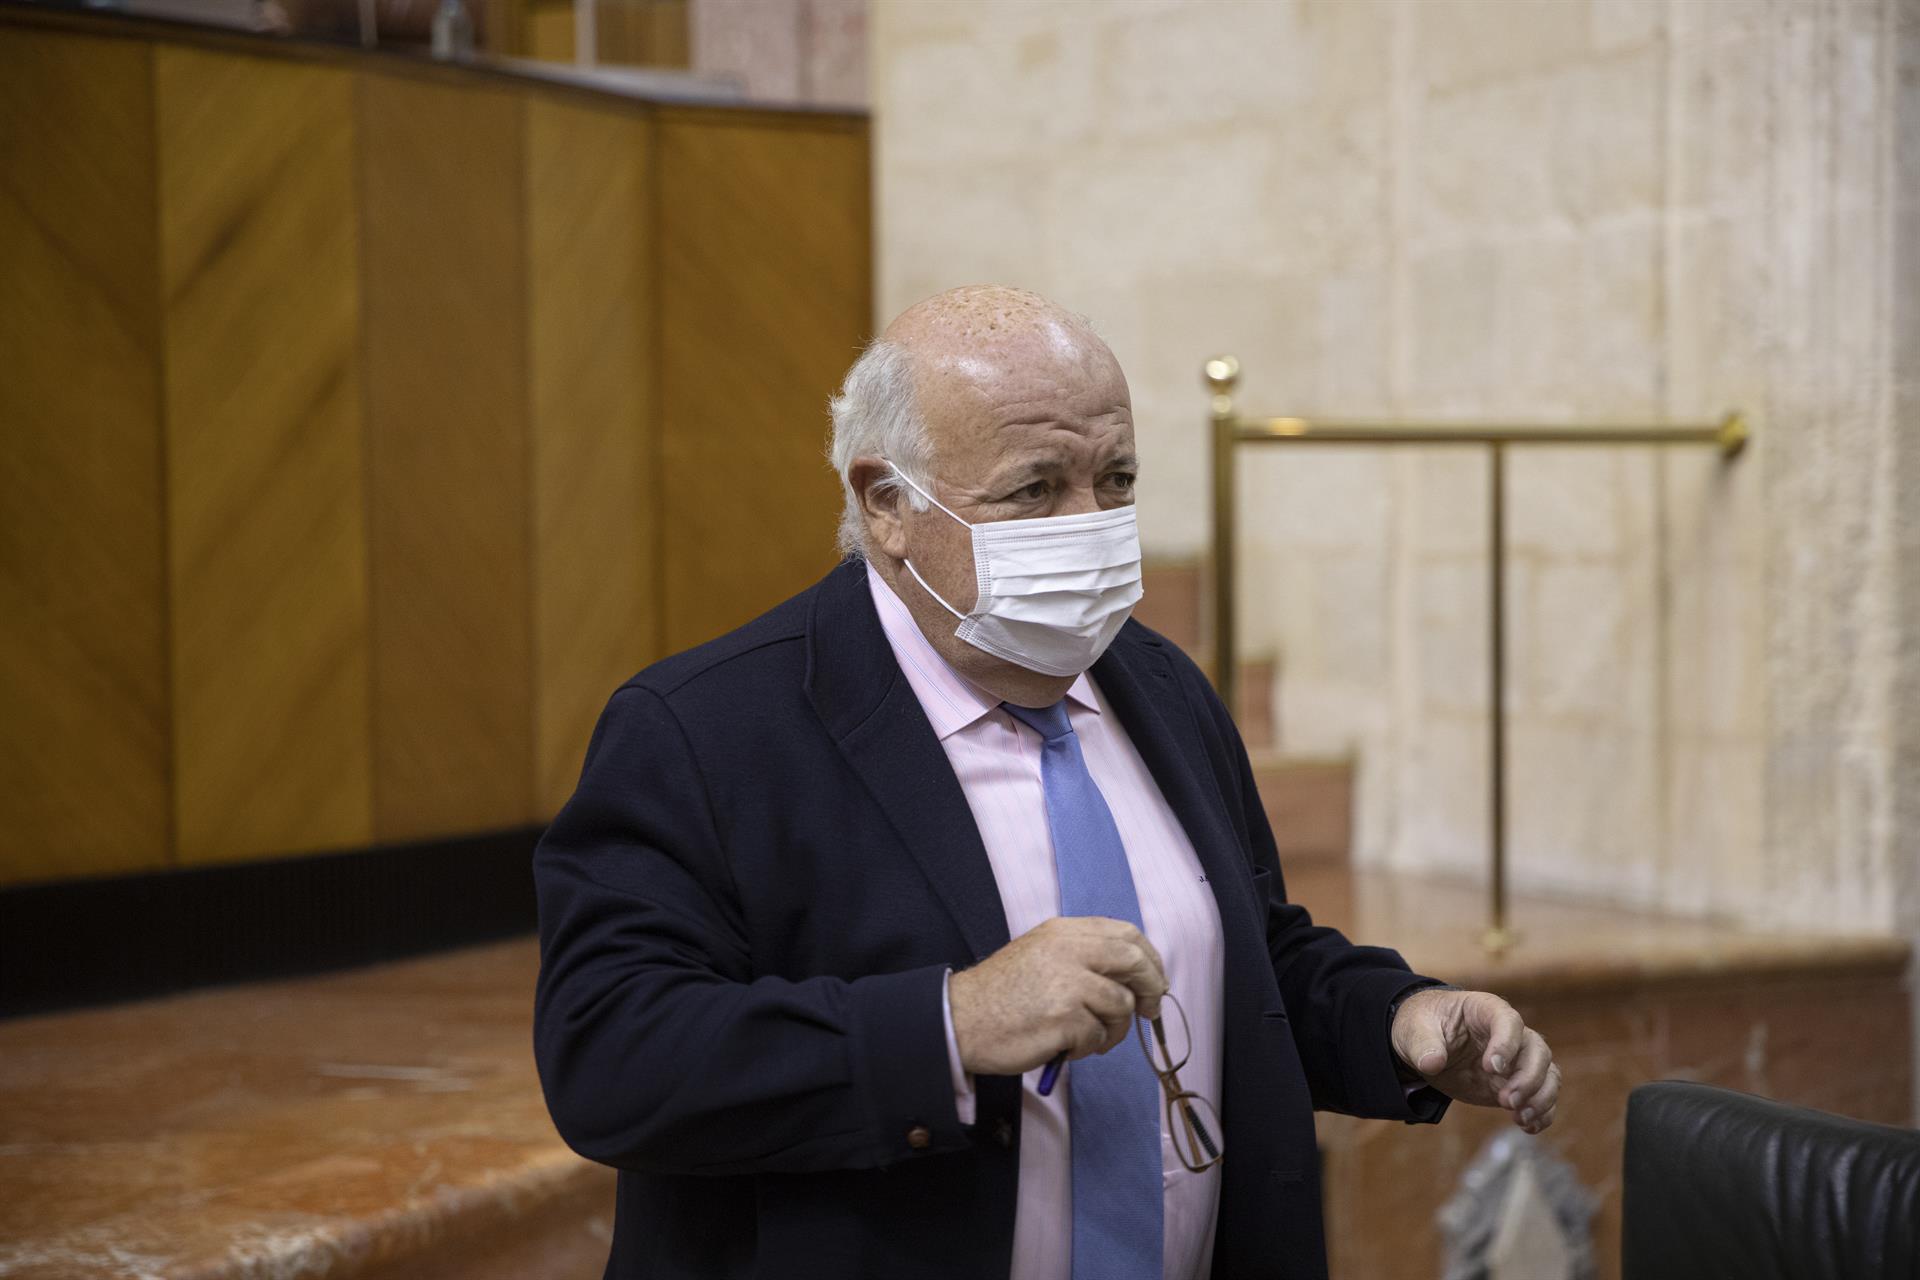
(950, 700)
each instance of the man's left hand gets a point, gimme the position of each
(1472, 1046)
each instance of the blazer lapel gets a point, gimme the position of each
(1137, 678)
(871, 712)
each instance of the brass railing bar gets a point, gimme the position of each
(1729, 434)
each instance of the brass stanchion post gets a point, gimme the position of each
(1222, 372)
(1498, 937)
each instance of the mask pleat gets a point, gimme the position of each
(1085, 580)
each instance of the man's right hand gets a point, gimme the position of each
(1070, 983)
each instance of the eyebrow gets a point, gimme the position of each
(1026, 473)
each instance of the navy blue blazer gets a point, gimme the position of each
(746, 912)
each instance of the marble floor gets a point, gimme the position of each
(384, 1121)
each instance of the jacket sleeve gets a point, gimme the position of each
(658, 1050)
(1338, 995)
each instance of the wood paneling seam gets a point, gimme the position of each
(530, 510)
(170, 756)
(376, 780)
(656, 446)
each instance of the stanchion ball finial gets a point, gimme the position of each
(1222, 373)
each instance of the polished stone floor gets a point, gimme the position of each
(361, 1123)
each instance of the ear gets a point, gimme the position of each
(881, 506)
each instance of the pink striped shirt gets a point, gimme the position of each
(997, 762)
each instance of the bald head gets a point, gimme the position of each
(981, 314)
(977, 343)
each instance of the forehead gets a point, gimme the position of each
(1045, 388)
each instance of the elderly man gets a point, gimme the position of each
(930, 925)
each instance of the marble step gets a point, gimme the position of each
(1172, 606)
(379, 1123)
(1309, 803)
(1171, 602)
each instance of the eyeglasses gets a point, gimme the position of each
(1191, 1119)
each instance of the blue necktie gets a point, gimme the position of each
(1113, 1100)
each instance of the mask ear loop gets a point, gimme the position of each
(923, 493)
(910, 569)
(930, 591)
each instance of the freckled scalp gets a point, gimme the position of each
(989, 326)
(980, 313)
(985, 339)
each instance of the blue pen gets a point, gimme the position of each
(1050, 1074)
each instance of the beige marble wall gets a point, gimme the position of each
(1561, 209)
(1905, 393)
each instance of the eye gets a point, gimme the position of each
(1033, 492)
(1122, 480)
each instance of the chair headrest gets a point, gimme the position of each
(1720, 1183)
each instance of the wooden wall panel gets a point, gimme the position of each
(83, 725)
(765, 297)
(445, 329)
(266, 516)
(594, 620)
(548, 29)
(365, 424)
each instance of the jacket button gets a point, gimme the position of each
(1003, 1133)
(919, 1137)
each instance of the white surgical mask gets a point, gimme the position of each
(1054, 590)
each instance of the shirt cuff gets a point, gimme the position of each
(963, 1099)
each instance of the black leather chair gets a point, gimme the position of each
(1720, 1183)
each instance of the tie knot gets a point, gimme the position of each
(1050, 722)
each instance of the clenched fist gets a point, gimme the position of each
(1071, 983)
